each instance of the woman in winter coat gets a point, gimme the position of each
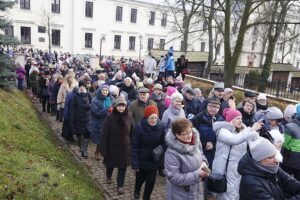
(185, 164)
(100, 107)
(262, 177)
(247, 111)
(115, 141)
(149, 133)
(80, 117)
(232, 137)
(174, 111)
(128, 87)
(67, 86)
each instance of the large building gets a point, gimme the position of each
(111, 27)
(128, 28)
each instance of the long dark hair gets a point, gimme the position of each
(121, 117)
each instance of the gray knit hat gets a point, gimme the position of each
(274, 113)
(120, 100)
(261, 149)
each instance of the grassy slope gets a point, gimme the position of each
(32, 165)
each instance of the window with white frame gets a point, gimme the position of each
(55, 6)
(25, 35)
(25, 4)
(55, 37)
(164, 19)
(152, 18)
(117, 42)
(89, 9)
(9, 31)
(119, 12)
(150, 43)
(131, 43)
(133, 15)
(88, 40)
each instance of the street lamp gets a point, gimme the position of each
(101, 40)
(140, 37)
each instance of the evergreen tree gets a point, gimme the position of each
(7, 74)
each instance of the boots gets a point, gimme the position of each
(79, 142)
(85, 144)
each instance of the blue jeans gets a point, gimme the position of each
(20, 84)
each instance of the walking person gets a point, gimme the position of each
(80, 117)
(115, 141)
(185, 164)
(149, 133)
(100, 107)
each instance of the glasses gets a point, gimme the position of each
(187, 133)
(213, 106)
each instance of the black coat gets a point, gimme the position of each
(115, 139)
(246, 117)
(145, 139)
(131, 92)
(257, 183)
(192, 106)
(80, 113)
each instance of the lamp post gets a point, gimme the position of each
(140, 37)
(101, 40)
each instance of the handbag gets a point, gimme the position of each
(186, 71)
(157, 152)
(218, 183)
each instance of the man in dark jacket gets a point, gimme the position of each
(218, 91)
(80, 117)
(261, 176)
(191, 105)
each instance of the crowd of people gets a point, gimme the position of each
(142, 114)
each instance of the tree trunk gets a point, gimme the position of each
(230, 68)
(227, 48)
(210, 42)
(49, 35)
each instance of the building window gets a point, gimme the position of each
(119, 11)
(234, 29)
(89, 9)
(164, 19)
(131, 43)
(88, 40)
(25, 4)
(133, 15)
(117, 44)
(55, 6)
(162, 44)
(150, 43)
(25, 35)
(41, 29)
(202, 46)
(297, 65)
(152, 18)
(55, 37)
(9, 31)
(218, 48)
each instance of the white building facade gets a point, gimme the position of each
(115, 27)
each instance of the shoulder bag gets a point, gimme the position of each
(218, 183)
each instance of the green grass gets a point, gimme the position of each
(32, 164)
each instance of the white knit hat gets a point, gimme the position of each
(274, 113)
(262, 96)
(261, 149)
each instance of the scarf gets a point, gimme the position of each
(273, 169)
(190, 143)
(107, 102)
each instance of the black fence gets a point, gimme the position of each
(276, 88)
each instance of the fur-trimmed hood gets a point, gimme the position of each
(173, 143)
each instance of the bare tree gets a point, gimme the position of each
(47, 21)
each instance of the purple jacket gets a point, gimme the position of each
(20, 72)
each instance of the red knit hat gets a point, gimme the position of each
(149, 110)
(230, 113)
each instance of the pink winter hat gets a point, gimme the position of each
(230, 113)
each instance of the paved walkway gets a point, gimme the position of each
(97, 169)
